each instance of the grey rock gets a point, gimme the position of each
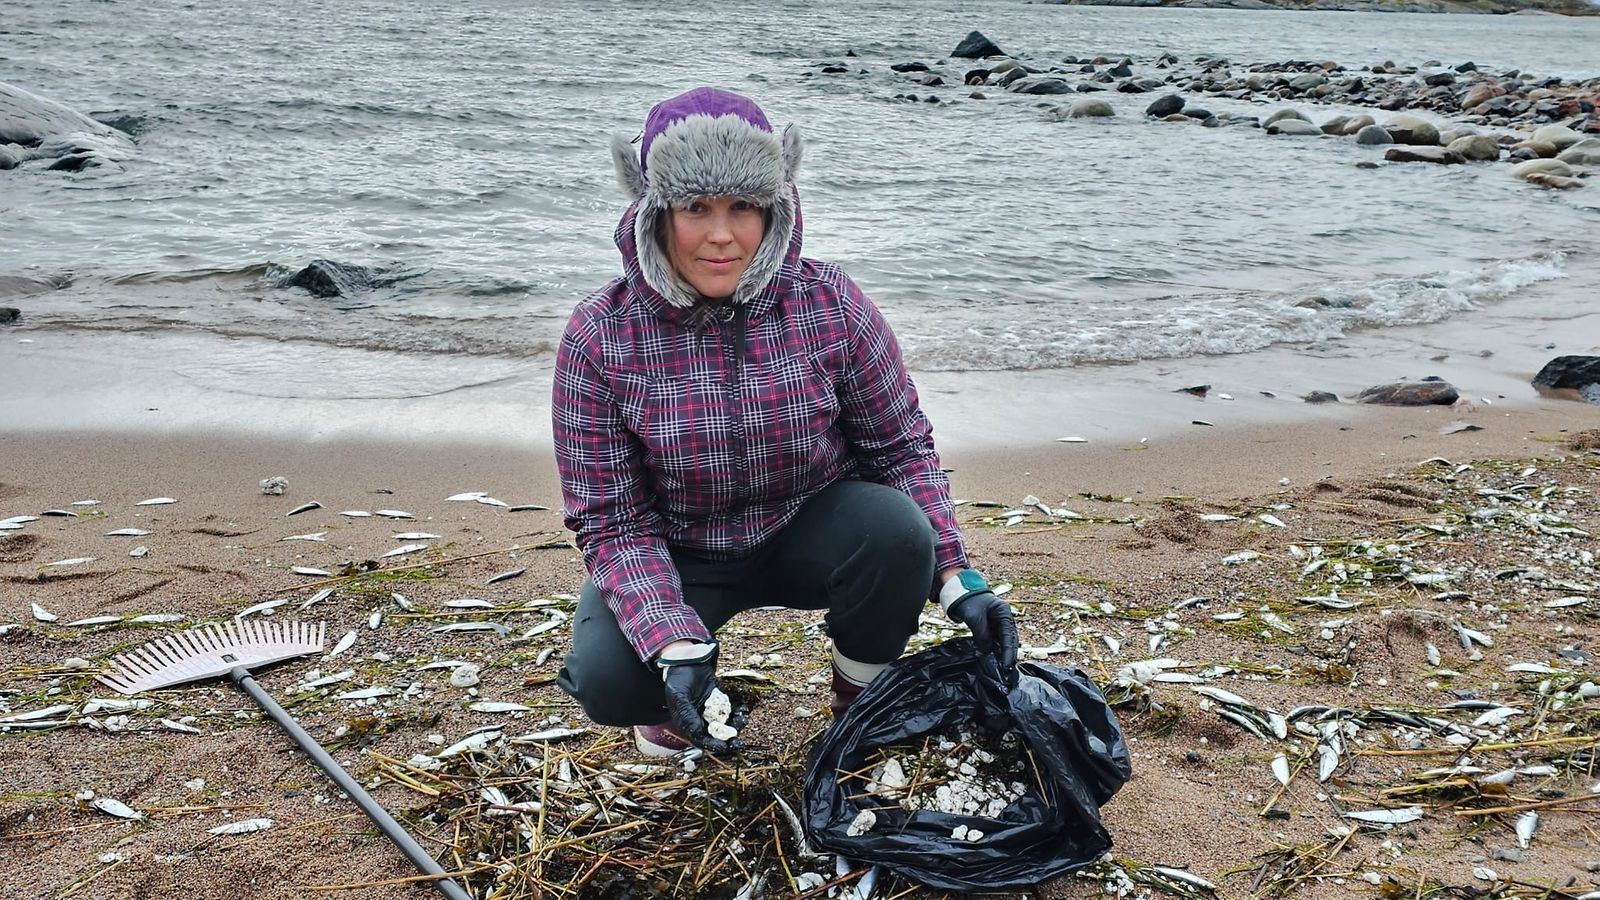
(1526, 170)
(910, 67)
(1477, 147)
(1569, 372)
(1335, 125)
(1294, 127)
(1285, 113)
(1441, 155)
(1090, 107)
(1004, 66)
(1508, 854)
(1044, 86)
(1307, 82)
(10, 315)
(1355, 125)
(1584, 153)
(1321, 397)
(1165, 106)
(327, 278)
(976, 46)
(1412, 130)
(1373, 135)
(1410, 393)
(1559, 135)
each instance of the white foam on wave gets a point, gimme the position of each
(1217, 325)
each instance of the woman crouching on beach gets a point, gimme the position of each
(734, 428)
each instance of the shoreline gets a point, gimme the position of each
(1454, 7)
(180, 385)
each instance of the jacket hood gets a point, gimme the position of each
(707, 143)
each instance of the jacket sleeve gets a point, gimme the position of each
(882, 418)
(607, 501)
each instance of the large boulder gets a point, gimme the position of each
(327, 278)
(1441, 155)
(1294, 127)
(1571, 372)
(1165, 106)
(1524, 170)
(44, 129)
(1479, 94)
(1090, 107)
(1285, 113)
(1477, 147)
(1044, 86)
(1354, 126)
(1410, 393)
(1584, 153)
(1412, 130)
(1559, 135)
(1373, 135)
(1335, 125)
(976, 46)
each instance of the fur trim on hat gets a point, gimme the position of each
(702, 156)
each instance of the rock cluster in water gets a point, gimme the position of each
(1549, 126)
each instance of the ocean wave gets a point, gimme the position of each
(1227, 323)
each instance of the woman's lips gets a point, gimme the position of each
(719, 263)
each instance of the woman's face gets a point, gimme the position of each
(711, 241)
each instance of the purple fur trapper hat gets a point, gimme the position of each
(709, 143)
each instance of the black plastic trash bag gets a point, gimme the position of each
(1061, 717)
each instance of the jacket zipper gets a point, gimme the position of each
(736, 405)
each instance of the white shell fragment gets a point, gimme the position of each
(717, 710)
(319, 536)
(495, 627)
(36, 714)
(156, 501)
(243, 826)
(345, 643)
(127, 532)
(1527, 823)
(94, 620)
(1272, 520)
(116, 808)
(862, 823)
(364, 694)
(1280, 769)
(1072, 439)
(1387, 816)
(495, 706)
(307, 570)
(263, 608)
(464, 675)
(43, 615)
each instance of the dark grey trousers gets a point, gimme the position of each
(862, 551)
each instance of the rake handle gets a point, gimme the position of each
(419, 857)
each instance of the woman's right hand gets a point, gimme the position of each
(689, 673)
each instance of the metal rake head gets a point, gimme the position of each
(209, 651)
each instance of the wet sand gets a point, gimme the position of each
(1199, 784)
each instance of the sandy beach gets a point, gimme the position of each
(1125, 571)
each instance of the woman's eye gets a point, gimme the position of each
(745, 206)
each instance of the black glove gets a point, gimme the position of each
(990, 620)
(689, 681)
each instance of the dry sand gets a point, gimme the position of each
(1200, 782)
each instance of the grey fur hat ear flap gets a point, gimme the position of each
(793, 144)
(630, 174)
